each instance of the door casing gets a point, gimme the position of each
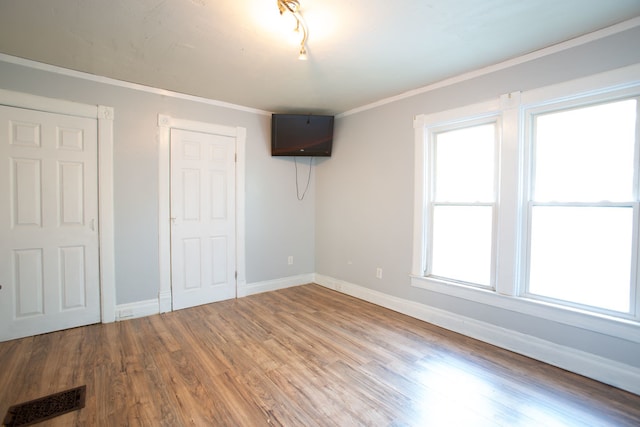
(165, 124)
(105, 117)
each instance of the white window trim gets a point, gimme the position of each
(480, 117)
(563, 101)
(471, 113)
(511, 226)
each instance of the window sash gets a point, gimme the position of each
(630, 311)
(489, 270)
(433, 203)
(531, 116)
(594, 144)
(445, 188)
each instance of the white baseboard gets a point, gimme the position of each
(605, 370)
(137, 309)
(273, 285)
(164, 302)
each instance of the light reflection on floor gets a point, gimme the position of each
(451, 391)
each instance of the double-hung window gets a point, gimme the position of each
(462, 202)
(582, 205)
(530, 202)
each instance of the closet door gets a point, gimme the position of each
(203, 218)
(48, 222)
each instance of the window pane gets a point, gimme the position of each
(462, 243)
(585, 154)
(582, 255)
(465, 164)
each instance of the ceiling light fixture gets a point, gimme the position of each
(293, 7)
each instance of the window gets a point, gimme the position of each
(463, 204)
(530, 202)
(581, 206)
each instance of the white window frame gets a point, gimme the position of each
(515, 111)
(432, 130)
(529, 115)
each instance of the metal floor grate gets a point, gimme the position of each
(44, 408)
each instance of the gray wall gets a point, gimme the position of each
(365, 192)
(277, 224)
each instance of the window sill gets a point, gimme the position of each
(608, 325)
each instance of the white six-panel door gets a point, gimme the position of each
(203, 219)
(48, 222)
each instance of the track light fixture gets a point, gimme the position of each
(293, 7)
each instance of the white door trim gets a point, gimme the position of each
(104, 116)
(165, 124)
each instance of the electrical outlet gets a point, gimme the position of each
(378, 273)
(290, 260)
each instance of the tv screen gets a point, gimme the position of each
(301, 135)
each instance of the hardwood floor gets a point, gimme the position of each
(303, 356)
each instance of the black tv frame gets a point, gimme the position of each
(301, 135)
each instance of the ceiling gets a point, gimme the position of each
(360, 51)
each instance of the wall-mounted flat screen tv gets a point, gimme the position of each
(301, 135)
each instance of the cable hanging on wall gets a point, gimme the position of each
(295, 161)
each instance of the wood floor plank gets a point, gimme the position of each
(302, 356)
